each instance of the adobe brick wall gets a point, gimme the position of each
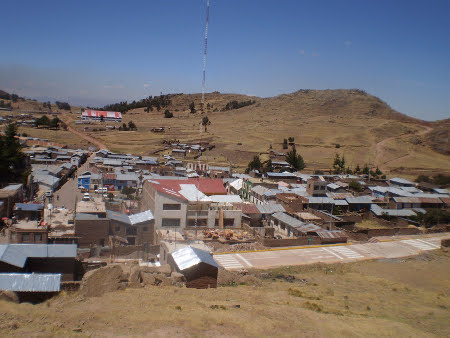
(274, 243)
(92, 232)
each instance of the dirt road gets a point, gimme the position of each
(90, 139)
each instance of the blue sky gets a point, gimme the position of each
(103, 51)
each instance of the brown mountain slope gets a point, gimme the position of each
(323, 122)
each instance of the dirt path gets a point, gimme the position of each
(379, 148)
(90, 139)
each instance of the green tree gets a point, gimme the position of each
(355, 185)
(338, 164)
(102, 119)
(205, 122)
(254, 164)
(42, 121)
(54, 123)
(110, 196)
(128, 191)
(168, 114)
(295, 160)
(13, 164)
(285, 144)
(192, 107)
(132, 125)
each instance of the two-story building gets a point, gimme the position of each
(185, 203)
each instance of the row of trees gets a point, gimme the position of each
(4, 104)
(292, 157)
(7, 96)
(13, 164)
(440, 179)
(149, 103)
(44, 121)
(131, 126)
(236, 105)
(340, 167)
(63, 105)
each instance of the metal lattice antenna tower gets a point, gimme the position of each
(204, 56)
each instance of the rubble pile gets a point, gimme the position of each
(121, 276)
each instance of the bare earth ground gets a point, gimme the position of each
(407, 297)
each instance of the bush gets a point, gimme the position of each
(167, 114)
(355, 185)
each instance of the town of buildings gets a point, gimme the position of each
(176, 207)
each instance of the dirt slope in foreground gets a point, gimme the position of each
(407, 297)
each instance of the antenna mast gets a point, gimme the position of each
(204, 56)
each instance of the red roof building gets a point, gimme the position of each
(97, 115)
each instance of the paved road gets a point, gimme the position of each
(330, 253)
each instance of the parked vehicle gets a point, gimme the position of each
(86, 197)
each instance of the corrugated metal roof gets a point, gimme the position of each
(418, 200)
(28, 206)
(401, 181)
(270, 208)
(377, 210)
(320, 200)
(359, 200)
(26, 282)
(141, 217)
(188, 256)
(226, 198)
(17, 254)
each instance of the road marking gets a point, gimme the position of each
(348, 253)
(436, 246)
(333, 253)
(244, 260)
(419, 244)
(228, 262)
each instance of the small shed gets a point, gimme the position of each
(198, 266)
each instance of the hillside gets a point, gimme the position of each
(405, 297)
(323, 122)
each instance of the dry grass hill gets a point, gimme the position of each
(405, 297)
(323, 122)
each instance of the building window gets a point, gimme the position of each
(117, 228)
(38, 237)
(25, 237)
(167, 206)
(145, 228)
(170, 222)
